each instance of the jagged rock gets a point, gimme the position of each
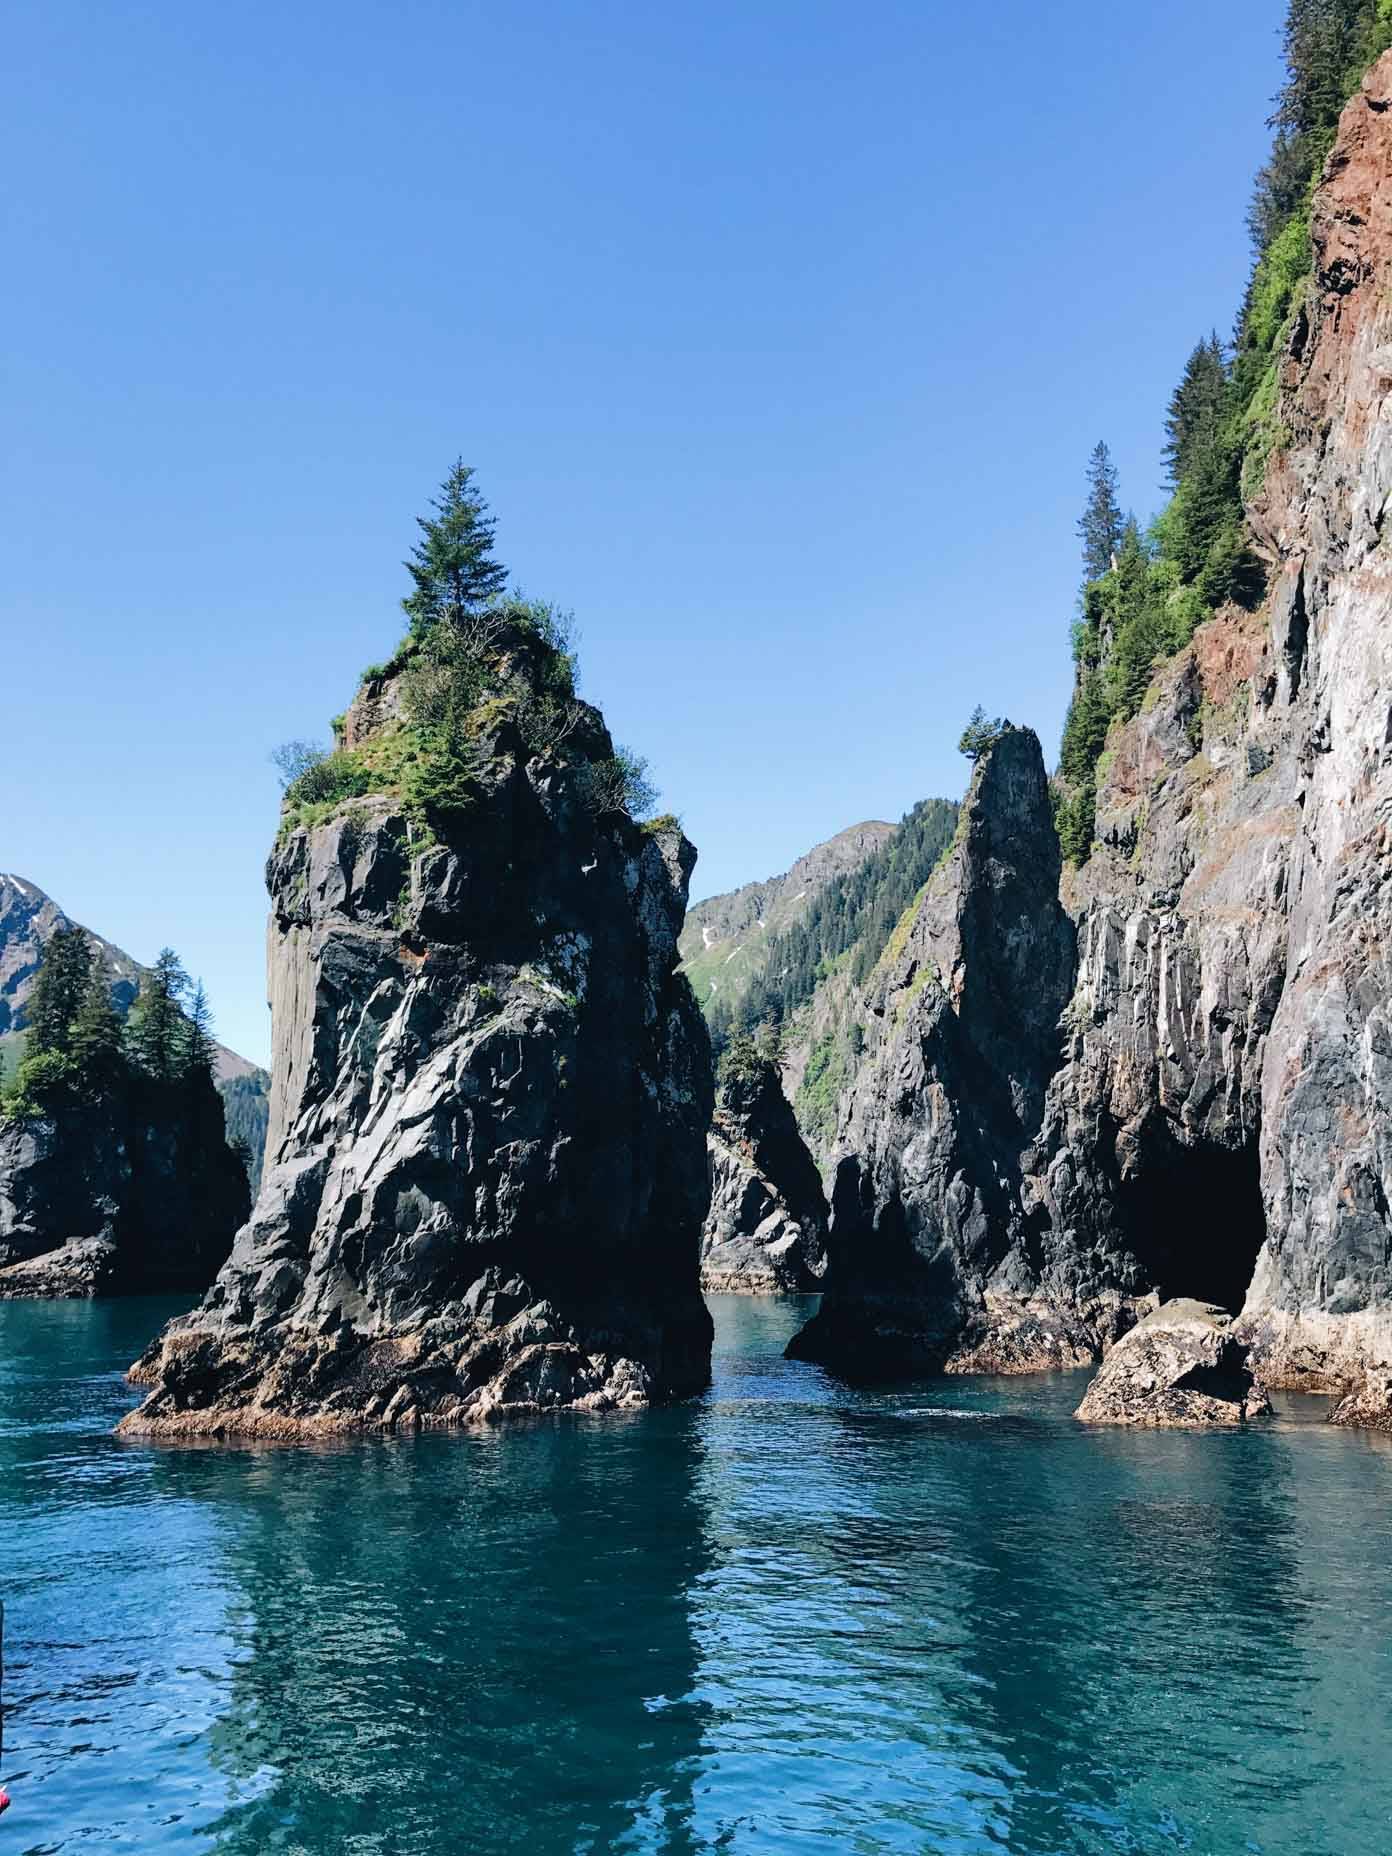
(1369, 1407)
(486, 1168)
(765, 1231)
(933, 1264)
(137, 1195)
(1180, 1365)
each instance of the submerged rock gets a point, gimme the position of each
(1181, 1365)
(765, 1231)
(486, 1168)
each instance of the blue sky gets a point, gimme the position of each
(778, 334)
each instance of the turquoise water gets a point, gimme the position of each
(789, 1617)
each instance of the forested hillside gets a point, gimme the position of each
(845, 927)
(1145, 591)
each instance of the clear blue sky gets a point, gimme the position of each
(778, 333)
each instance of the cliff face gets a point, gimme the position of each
(1215, 1120)
(140, 1195)
(934, 1263)
(765, 1231)
(27, 918)
(1225, 1105)
(486, 1168)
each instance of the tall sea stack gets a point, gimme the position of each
(486, 1170)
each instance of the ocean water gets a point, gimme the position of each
(942, 1618)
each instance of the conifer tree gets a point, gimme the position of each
(97, 1037)
(155, 1029)
(1100, 525)
(199, 1049)
(64, 970)
(1195, 406)
(452, 565)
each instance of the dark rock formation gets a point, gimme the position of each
(141, 1194)
(486, 1168)
(934, 1263)
(1180, 1365)
(765, 1231)
(1213, 1116)
(27, 918)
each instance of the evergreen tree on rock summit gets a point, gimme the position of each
(452, 565)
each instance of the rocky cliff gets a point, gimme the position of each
(486, 1168)
(765, 1231)
(1210, 1118)
(28, 916)
(934, 1261)
(141, 1193)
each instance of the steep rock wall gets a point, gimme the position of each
(140, 1195)
(765, 1231)
(1214, 1120)
(486, 1169)
(933, 1263)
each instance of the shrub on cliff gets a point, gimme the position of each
(480, 670)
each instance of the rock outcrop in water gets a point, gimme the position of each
(935, 1262)
(1181, 1365)
(486, 1169)
(1201, 1103)
(765, 1231)
(136, 1194)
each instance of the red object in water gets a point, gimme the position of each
(4, 1800)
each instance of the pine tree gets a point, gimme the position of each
(155, 1029)
(199, 1049)
(1085, 731)
(981, 733)
(64, 970)
(452, 565)
(97, 1038)
(1195, 406)
(1100, 525)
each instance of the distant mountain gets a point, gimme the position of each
(725, 943)
(797, 952)
(28, 916)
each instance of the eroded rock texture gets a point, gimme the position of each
(1202, 1107)
(765, 1231)
(934, 1262)
(1180, 1365)
(486, 1168)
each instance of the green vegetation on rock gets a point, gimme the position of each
(481, 673)
(1144, 593)
(845, 927)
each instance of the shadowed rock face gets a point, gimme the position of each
(139, 1195)
(765, 1231)
(933, 1262)
(1181, 1365)
(486, 1167)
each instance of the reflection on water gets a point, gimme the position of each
(789, 1617)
